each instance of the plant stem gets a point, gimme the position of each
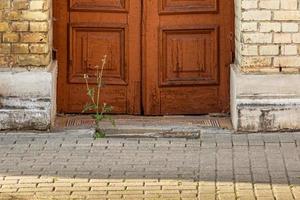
(99, 84)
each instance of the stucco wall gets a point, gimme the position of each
(25, 33)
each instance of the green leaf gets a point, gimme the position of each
(91, 92)
(106, 108)
(99, 117)
(89, 107)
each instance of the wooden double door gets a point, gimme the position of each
(163, 56)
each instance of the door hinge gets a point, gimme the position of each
(232, 47)
(54, 54)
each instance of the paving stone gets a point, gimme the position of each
(64, 166)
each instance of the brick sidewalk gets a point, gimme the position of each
(71, 165)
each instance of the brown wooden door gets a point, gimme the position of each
(85, 31)
(164, 56)
(187, 53)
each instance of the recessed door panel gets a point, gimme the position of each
(103, 5)
(187, 6)
(87, 47)
(189, 56)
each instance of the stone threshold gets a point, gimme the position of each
(148, 127)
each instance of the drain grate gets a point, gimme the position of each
(79, 122)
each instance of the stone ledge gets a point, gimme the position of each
(32, 119)
(265, 102)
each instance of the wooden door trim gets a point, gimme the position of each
(60, 13)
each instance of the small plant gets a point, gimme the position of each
(94, 92)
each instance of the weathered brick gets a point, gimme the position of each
(34, 37)
(20, 26)
(4, 48)
(4, 26)
(39, 48)
(10, 37)
(20, 48)
(39, 26)
(35, 15)
(269, 50)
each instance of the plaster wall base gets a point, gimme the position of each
(264, 102)
(28, 99)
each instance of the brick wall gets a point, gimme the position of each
(267, 35)
(25, 36)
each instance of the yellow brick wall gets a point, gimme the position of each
(25, 33)
(268, 35)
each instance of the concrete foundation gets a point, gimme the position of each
(265, 102)
(28, 99)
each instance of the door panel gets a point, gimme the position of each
(187, 6)
(86, 30)
(186, 54)
(104, 5)
(189, 56)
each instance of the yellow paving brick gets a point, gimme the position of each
(150, 187)
(89, 184)
(70, 180)
(34, 189)
(244, 186)
(126, 192)
(225, 189)
(265, 198)
(264, 193)
(87, 193)
(114, 196)
(246, 197)
(162, 192)
(283, 196)
(60, 184)
(106, 180)
(58, 189)
(6, 182)
(178, 187)
(35, 180)
(8, 190)
(226, 196)
(27, 185)
(207, 189)
(262, 186)
(207, 196)
(108, 188)
(126, 184)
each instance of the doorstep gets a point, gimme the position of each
(152, 127)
